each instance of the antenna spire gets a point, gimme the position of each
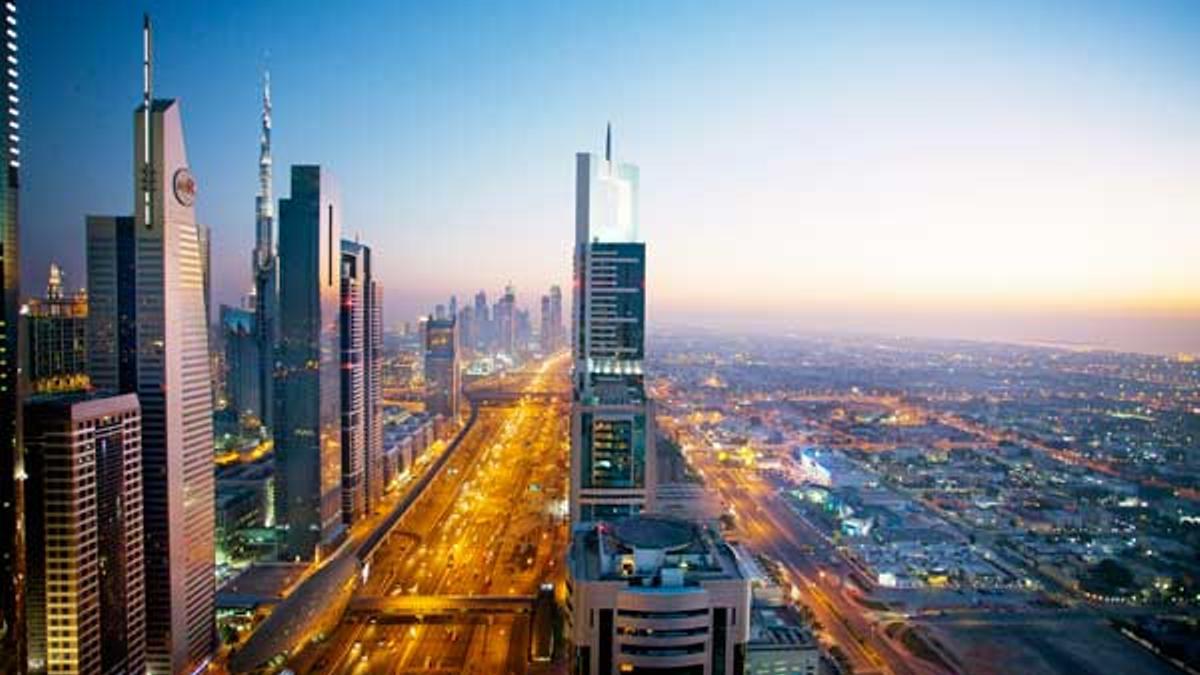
(608, 143)
(147, 100)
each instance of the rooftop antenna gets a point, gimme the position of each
(147, 77)
(608, 143)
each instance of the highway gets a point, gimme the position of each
(490, 523)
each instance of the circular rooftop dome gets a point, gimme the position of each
(654, 532)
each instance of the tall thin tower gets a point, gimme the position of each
(12, 471)
(266, 267)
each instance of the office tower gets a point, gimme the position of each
(656, 595)
(241, 361)
(362, 411)
(504, 320)
(12, 556)
(522, 331)
(439, 312)
(265, 269)
(112, 312)
(556, 318)
(151, 338)
(442, 383)
(453, 306)
(612, 421)
(308, 419)
(204, 233)
(56, 326)
(86, 595)
(466, 329)
(545, 333)
(482, 322)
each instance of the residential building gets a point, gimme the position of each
(443, 382)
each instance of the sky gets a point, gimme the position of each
(1023, 171)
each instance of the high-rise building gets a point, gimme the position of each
(482, 323)
(504, 321)
(442, 377)
(241, 361)
(308, 407)
(56, 326)
(467, 329)
(612, 420)
(151, 337)
(651, 594)
(362, 413)
(265, 268)
(12, 556)
(112, 310)
(86, 599)
(556, 317)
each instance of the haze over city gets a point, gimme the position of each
(1008, 171)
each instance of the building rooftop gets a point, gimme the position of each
(653, 552)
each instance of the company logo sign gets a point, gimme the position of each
(185, 187)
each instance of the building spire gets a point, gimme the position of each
(608, 143)
(147, 100)
(264, 201)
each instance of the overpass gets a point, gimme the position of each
(496, 397)
(421, 607)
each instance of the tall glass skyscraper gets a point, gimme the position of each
(12, 546)
(308, 415)
(148, 315)
(612, 422)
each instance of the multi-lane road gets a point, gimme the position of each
(490, 523)
(766, 524)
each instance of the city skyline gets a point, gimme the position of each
(956, 174)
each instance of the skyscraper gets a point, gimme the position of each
(353, 338)
(504, 321)
(308, 419)
(483, 324)
(362, 325)
(112, 310)
(86, 596)
(556, 317)
(152, 339)
(56, 326)
(12, 556)
(241, 360)
(265, 269)
(612, 421)
(442, 377)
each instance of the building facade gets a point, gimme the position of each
(56, 328)
(240, 335)
(656, 595)
(151, 337)
(362, 388)
(443, 384)
(354, 394)
(12, 556)
(87, 604)
(308, 419)
(265, 269)
(612, 419)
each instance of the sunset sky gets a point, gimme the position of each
(1019, 171)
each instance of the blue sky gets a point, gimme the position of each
(1013, 170)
